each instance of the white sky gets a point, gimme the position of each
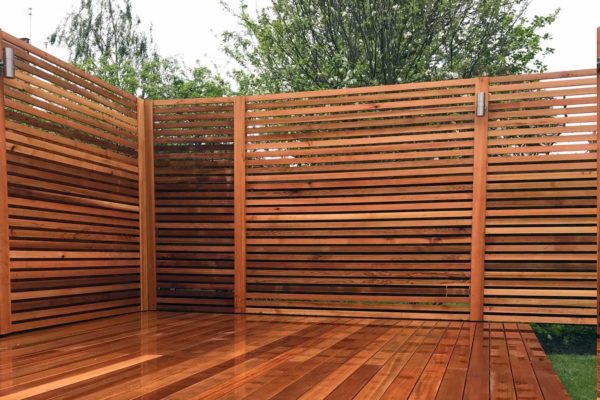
(191, 28)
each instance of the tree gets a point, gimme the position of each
(168, 78)
(315, 44)
(106, 38)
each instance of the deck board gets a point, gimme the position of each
(224, 356)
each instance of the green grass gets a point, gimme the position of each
(572, 352)
(577, 373)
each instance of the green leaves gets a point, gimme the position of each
(168, 78)
(317, 44)
(300, 45)
(105, 38)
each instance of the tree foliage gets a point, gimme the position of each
(316, 44)
(107, 39)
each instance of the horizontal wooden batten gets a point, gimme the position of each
(360, 163)
(194, 192)
(72, 186)
(541, 182)
(362, 200)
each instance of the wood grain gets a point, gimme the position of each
(239, 204)
(71, 189)
(480, 167)
(147, 205)
(541, 218)
(240, 356)
(194, 168)
(389, 201)
(359, 201)
(392, 200)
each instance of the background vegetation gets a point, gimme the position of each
(314, 44)
(300, 45)
(106, 38)
(572, 351)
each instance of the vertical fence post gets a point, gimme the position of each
(480, 160)
(239, 218)
(5, 308)
(147, 205)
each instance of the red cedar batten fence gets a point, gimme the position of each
(71, 169)
(280, 267)
(394, 201)
(508, 235)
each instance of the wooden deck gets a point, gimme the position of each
(216, 356)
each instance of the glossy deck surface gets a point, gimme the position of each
(214, 356)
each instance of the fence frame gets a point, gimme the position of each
(239, 204)
(147, 203)
(480, 165)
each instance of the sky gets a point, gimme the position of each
(191, 28)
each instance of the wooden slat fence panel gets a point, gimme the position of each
(541, 199)
(72, 193)
(194, 204)
(355, 202)
(359, 201)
